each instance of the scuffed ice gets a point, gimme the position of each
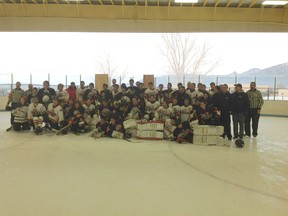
(81, 176)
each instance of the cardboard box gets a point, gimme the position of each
(210, 130)
(150, 126)
(149, 135)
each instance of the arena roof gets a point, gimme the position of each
(142, 16)
(167, 3)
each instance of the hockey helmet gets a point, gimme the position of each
(45, 99)
(239, 143)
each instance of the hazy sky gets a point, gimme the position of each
(137, 54)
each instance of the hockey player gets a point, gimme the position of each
(168, 93)
(186, 111)
(205, 114)
(183, 132)
(169, 127)
(121, 106)
(91, 93)
(193, 93)
(132, 90)
(80, 92)
(176, 92)
(62, 95)
(89, 111)
(55, 115)
(151, 91)
(142, 90)
(116, 93)
(181, 96)
(206, 96)
(46, 94)
(161, 94)
(35, 114)
(176, 108)
(134, 110)
(164, 112)
(28, 91)
(105, 93)
(21, 116)
(151, 108)
(31, 96)
(213, 89)
(76, 120)
(114, 128)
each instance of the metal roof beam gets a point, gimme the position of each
(240, 3)
(205, 3)
(228, 3)
(253, 3)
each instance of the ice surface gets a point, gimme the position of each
(80, 176)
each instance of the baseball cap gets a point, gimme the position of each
(238, 85)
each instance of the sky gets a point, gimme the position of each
(132, 53)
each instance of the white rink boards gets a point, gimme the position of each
(80, 176)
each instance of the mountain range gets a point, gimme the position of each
(276, 70)
(277, 74)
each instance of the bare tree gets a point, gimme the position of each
(185, 55)
(105, 65)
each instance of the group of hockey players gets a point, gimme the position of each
(84, 109)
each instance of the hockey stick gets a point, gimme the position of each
(62, 129)
(129, 140)
(59, 131)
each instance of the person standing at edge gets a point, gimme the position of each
(14, 98)
(240, 104)
(255, 104)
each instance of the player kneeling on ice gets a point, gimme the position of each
(183, 132)
(35, 114)
(89, 111)
(76, 118)
(206, 115)
(169, 127)
(54, 116)
(20, 114)
(114, 128)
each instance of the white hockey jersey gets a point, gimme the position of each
(152, 107)
(35, 110)
(164, 113)
(63, 95)
(55, 113)
(176, 110)
(194, 95)
(80, 93)
(88, 109)
(186, 112)
(148, 92)
(20, 114)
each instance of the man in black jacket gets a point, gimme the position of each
(224, 105)
(240, 104)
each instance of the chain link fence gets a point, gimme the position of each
(272, 87)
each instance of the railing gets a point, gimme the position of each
(272, 87)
